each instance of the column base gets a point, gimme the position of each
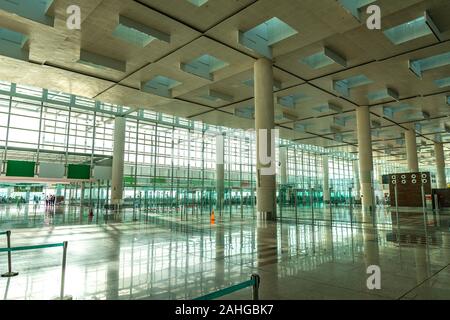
(10, 274)
(113, 206)
(368, 209)
(267, 216)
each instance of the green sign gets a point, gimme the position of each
(129, 181)
(20, 169)
(79, 171)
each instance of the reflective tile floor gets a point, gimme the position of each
(135, 255)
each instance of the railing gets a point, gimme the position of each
(10, 273)
(253, 282)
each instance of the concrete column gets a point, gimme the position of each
(283, 165)
(81, 193)
(440, 165)
(70, 194)
(326, 181)
(411, 149)
(365, 156)
(357, 184)
(118, 160)
(58, 190)
(264, 120)
(220, 172)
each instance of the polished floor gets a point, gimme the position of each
(137, 254)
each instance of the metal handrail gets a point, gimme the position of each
(9, 249)
(254, 282)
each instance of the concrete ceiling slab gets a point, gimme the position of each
(47, 77)
(179, 108)
(312, 20)
(130, 97)
(203, 17)
(212, 29)
(221, 118)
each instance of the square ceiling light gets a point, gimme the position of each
(383, 94)
(197, 3)
(262, 37)
(35, 10)
(331, 129)
(419, 66)
(411, 30)
(389, 111)
(217, 96)
(343, 86)
(204, 66)
(284, 116)
(136, 33)
(101, 62)
(329, 107)
(290, 101)
(342, 121)
(355, 6)
(247, 112)
(442, 83)
(300, 127)
(418, 115)
(323, 59)
(12, 44)
(160, 85)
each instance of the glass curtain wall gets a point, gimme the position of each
(170, 162)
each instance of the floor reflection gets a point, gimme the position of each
(135, 255)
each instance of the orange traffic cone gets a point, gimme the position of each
(213, 218)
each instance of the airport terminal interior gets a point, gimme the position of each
(170, 149)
